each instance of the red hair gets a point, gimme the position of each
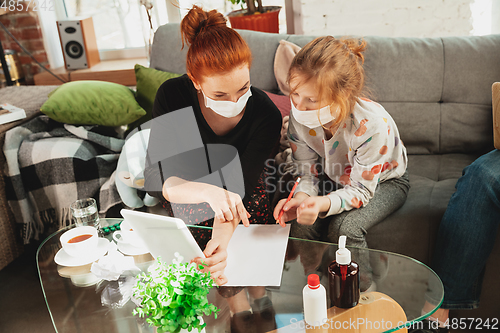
(214, 47)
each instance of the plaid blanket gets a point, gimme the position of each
(50, 165)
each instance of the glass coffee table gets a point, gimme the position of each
(394, 290)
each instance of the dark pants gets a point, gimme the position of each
(467, 233)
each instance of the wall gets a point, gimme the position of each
(495, 13)
(25, 26)
(392, 18)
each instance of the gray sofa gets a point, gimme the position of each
(438, 90)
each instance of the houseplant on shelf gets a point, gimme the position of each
(173, 297)
(257, 18)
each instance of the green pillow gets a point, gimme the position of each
(148, 82)
(93, 103)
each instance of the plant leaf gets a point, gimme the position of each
(179, 291)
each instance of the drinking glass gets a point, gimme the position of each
(85, 212)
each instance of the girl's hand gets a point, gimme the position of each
(309, 209)
(226, 205)
(290, 209)
(215, 261)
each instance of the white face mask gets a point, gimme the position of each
(310, 118)
(228, 109)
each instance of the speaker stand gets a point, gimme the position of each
(5, 68)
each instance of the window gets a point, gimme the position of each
(119, 24)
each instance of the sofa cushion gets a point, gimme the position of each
(417, 125)
(93, 103)
(282, 102)
(148, 81)
(449, 77)
(469, 72)
(439, 167)
(405, 69)
(411, 229)
(284, 56)
(405, 75)
(471, 66)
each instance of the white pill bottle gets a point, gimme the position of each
(314, 296)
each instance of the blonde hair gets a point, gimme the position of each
(336, 67)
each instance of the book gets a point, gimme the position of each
(9, 112)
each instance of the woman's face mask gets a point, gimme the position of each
(226, 94)
(228, 109)
(310, 118)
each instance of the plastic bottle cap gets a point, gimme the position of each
(313, 281)
(343, 255)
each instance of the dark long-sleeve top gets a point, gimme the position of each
(254, 137)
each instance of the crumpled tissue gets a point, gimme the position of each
(113, 265)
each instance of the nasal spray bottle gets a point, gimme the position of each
(314, 296)
(343, 278)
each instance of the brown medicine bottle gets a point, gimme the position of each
(343, 278)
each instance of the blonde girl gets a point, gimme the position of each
(346, 148)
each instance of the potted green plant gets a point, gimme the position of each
(173, 297)
(257, 18)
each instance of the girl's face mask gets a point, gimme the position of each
(305, 96)
(312, 118)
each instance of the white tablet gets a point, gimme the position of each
(163, 235)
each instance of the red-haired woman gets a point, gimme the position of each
(227, 110)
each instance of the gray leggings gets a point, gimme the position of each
(389, 197)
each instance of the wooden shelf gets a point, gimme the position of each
(117, 71)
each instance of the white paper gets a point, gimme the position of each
(255, 255)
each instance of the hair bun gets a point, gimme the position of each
(198, 21)
(356, 46)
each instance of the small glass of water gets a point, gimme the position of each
(85, 212)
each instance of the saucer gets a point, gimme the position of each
(131, 250)
(86, 280)
(80, 276)
(64, 259)
(67, 272)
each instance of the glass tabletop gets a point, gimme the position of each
(394, 289)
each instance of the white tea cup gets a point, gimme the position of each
(79, 241)
(126, 234)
